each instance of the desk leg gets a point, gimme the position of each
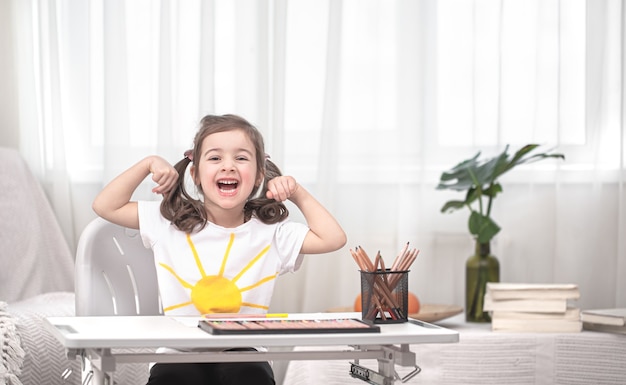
(403, 357)
(101, 378)
(387, 374)
(92, 374)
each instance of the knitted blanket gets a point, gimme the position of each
(11, 352)
(45, 360)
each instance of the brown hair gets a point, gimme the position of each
(188, 213)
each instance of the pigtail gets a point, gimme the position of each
(268, 211)
(184, 211)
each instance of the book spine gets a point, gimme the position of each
(571, 314)
(544, 326)
(524, 305)
(528, 294)
(604, 328)
(602, 319)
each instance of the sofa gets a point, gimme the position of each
(37, 280)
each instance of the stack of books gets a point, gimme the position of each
(605, 320)
(530, 307)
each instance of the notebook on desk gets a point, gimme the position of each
(287, 326)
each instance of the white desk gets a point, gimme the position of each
(97, 338)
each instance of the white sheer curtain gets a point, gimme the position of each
(365, 102)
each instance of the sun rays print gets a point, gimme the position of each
(218, 293)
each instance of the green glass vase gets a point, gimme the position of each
(480, 268)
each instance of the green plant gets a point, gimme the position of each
(479, 178)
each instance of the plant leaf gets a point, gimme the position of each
(474, 172)
(459, 177)
(482, 227)
(493, 190)
(452, 205)
(520, 157)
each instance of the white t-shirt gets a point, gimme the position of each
(219, 269)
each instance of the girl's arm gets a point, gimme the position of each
(325, 233)
(114, 204)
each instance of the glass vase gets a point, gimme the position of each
(480, 268)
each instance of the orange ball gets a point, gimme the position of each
(357, 303)
(414, 303)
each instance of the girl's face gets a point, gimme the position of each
(227, 169)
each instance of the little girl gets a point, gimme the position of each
(221, 251)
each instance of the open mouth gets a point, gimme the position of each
(227, 186)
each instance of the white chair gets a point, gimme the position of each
(115, 273)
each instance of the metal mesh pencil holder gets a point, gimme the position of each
(384, 296)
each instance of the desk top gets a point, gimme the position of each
(183, 332)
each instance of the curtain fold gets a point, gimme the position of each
(365, 102)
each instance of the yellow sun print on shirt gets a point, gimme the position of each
(217, 293)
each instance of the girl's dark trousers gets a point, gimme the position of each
(220, 373)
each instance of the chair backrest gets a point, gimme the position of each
(115, 273)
